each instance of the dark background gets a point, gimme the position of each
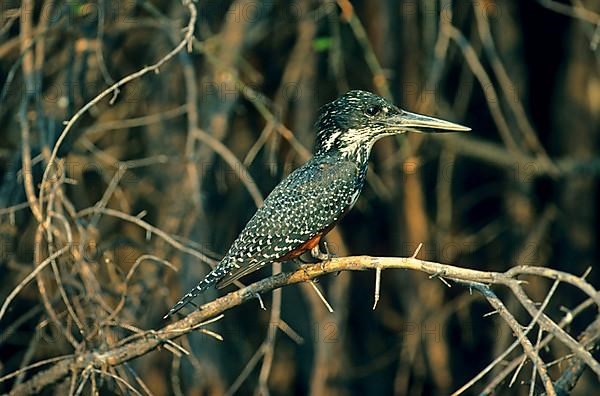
(520, 189)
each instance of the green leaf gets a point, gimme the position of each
(322, 43)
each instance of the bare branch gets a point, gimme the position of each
(150, 340)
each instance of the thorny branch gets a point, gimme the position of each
(481, 281)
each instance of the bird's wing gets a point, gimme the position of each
(237, 273)
(304, 204)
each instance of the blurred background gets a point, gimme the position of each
(164, 173)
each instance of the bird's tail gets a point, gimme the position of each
(210, 280)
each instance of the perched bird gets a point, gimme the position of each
(308, 203)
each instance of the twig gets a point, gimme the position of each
(136, 121)
(379, 79)
(117, 379)
(287, 329)
(245, 372)
(134, 267)
(39, 268)
(236, 165)
(523, 340)
(528, 166)
(508, 350)
(34, 365)
(486, 83)
(567, 319)
(549, 326)
(27, 66)
(590, 338)
(150, 228)
(533, 372)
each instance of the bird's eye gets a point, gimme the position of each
(372, 111)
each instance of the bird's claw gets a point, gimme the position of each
(323, 257)
(317, 254)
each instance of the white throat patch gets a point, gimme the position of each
(354, 139)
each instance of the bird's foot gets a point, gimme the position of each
(329, 253)
(321, 256)
(317, 254)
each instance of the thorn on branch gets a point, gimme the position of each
(417, 250)
(377, 287)
(586, 273)
(142, 214)
(439, 276)
(321, 296)
(517, 371)
(116, 93)
(261, 302)
(213, 334)
(490, 314)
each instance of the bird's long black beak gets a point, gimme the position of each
(407, 121)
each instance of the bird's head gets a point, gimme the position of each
(352, 123)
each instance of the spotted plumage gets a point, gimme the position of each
(312, 199)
